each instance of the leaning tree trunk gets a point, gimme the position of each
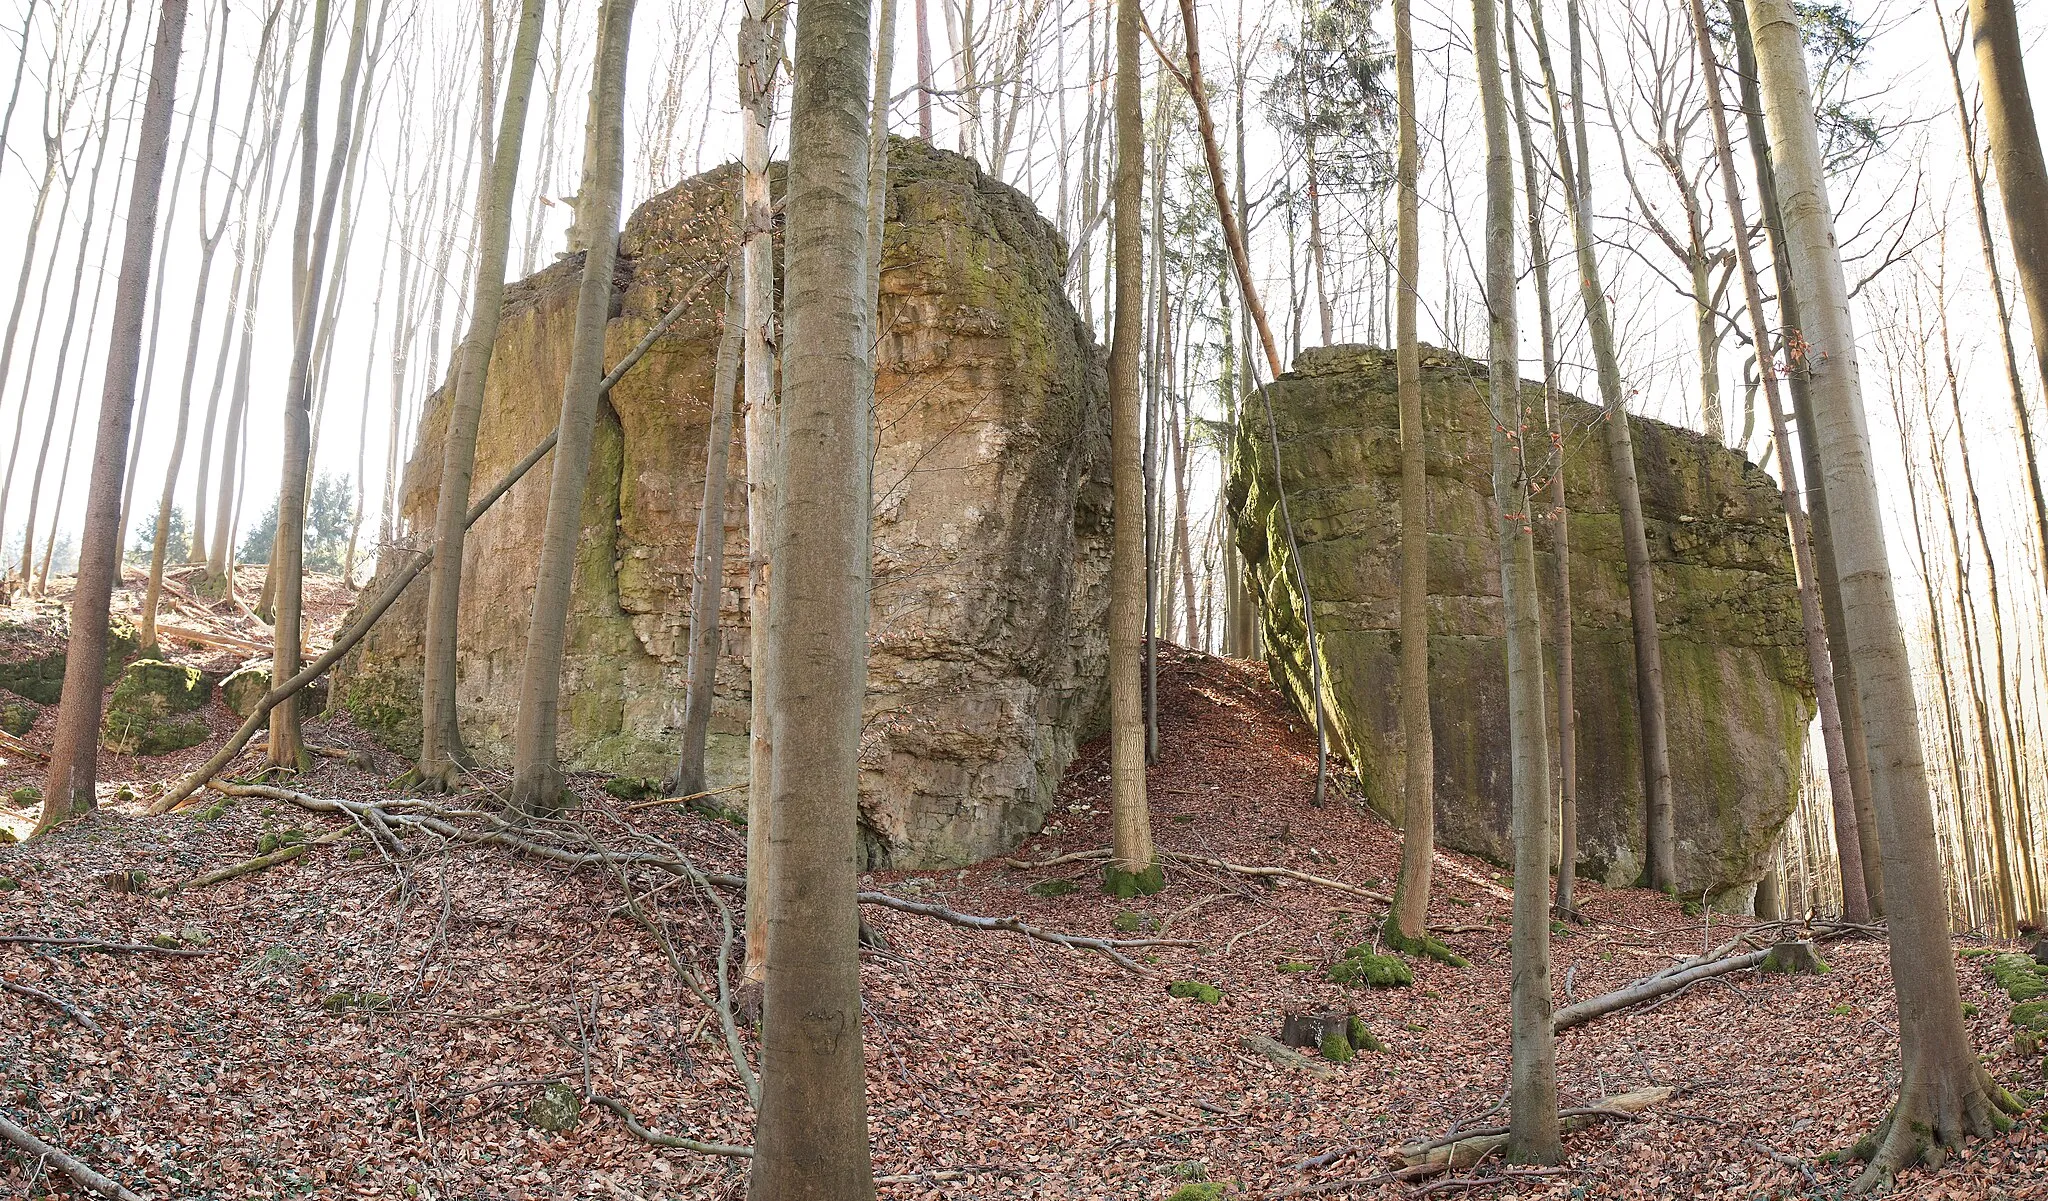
(1945, 1094)
(760, 54)
(442, 757)
(1826, 576)
(1660, 835)
(288, 552)
(707, 583)
(1567, 853)
(1410, 917)
(811, 1138)
(1131, 865)
(71, 785)
(1855, 901)
(536, 777)
(1532, 1081)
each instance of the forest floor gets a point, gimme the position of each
(357, 1024)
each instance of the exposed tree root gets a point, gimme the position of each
(1926, 1123)
(64, 1162)
(668, 1140)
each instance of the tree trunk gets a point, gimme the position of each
(760, 55)
(1553, 459)
(1532, 1088)
(1847, 696)
(811, 1138)
(442, 757)
(924, 73)
(1945, 1094)
(1855, 902)
(1132, 861)
(1410, 916)
(1660, 835)
(71, 785)
(536, 777)
(707, 583)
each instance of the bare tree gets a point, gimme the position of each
(812, 1137)
(536, 776)
(71, 785)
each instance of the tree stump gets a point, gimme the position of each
(2040, 952)
(1794, 959)
(1337, 1036)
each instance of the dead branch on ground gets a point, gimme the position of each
(53, 1001)
(65, 1162)
(668, 1140)
(97, 944)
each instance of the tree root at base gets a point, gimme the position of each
(1912, 1134)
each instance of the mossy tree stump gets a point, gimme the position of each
(1794, 959)
(1337, 1036)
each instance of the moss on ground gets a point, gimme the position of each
(1432, 948)
(1360, 967)
(1124, 885)
(2019, 976)
(1055, 888)
(150, 710)
(1195, 990)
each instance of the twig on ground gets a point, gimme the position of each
(250, 867)
(1790, 1163)
(55, 1002)
(669, 1140)
(65, 1162)
(97, 944)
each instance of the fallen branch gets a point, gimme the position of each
(65, 1162)
(97, 944)
(1650, 988)
(9, 742)
(53, 1001)
(1237, 869)
(209, 638)
(668, 1140)
(1468, 1148)
(427, 817)
(249, 867)
(682, 800)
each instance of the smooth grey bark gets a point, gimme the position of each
(1660, 832)
(442, 757)
(707, 582)
(1847, 696)
(536, 776)
(1533, 1135)
(811, 1138)
(70, 785)
(1945, 1094)
(1855, 901)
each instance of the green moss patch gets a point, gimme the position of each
(18, 717)
(150, 711)
(2019, 976)
(556, 1109)
(1205, 1190)
(1124, 885)
(2031, 1015)
(346, 999)
(1195, 990)
(1057, 888)
(1360, 968)
(1390, 933)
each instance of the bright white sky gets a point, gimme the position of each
(683, 119)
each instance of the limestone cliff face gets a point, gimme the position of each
(986, 637)
(1737, 685)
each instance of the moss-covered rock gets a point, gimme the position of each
(990, 540)
(39, 677)
(1738, 691)
(1052, 888)
(149, 713)
(18, 717)
(1361, 968)
(244, 688)
(26, 796)
(1195, 990)
(2020, 977)
(2031, 1015)
(556, 1109)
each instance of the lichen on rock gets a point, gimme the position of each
(986, 634)
(1738, 689)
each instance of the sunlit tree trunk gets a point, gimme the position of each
(1532, 1082)
(70, 786)
(1945, 1093)
(536, 775)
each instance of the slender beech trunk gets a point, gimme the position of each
(1410, 915)
(71, 785)
(2022, 173)
(1660, 843)
(924, 71)
(1945, 1093)
(442, 757)
(707, 581)
(1532, 1082)
(1855, 902)
(1131, 862)
(536, 776)
(1553, 457)
(811, 1139)
(310, 245)
(1848, 696)
(760, 57)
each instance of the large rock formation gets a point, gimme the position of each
(986, 639)
(1738, 689)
